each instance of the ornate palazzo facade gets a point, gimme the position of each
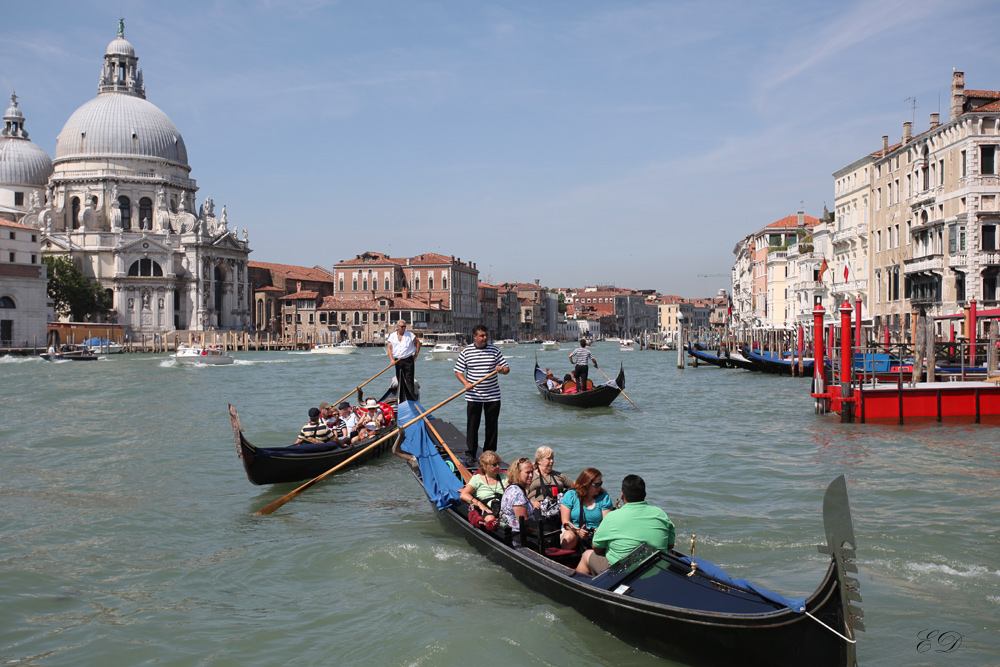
(121, 204)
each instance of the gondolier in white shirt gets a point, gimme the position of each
(475, 362)
(403, 347)
(580, 357)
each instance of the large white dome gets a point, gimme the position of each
(114, 124)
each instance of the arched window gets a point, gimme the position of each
(145, 213)
(125, 206)
(357, 317)
(75, 212)
(145, 268)
(219, 278)
(7, 302)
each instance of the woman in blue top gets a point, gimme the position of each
(583, 507)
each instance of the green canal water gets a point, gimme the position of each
(129, 535)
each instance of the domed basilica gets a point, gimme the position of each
(119, 201)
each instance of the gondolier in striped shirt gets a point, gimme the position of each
(475, 362)
(581, 356)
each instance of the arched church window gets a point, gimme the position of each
(145, 268)
(146, 213)
(75, 212)
(7, 302)
(357, 317)
(125, 206)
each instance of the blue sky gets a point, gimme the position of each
(583, 142)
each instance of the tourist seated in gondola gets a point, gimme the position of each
(547, 486)
(315, 429)
(569, 384)
(348, 426)
(583, 509)
(623, 530)
(551, 383)
(486, 487)
(369, 422)
(514, 505)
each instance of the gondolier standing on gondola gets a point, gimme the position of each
(403, 347)
(475, 362)
(580, 357)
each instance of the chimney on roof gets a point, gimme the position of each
(407, 261)
(907, 132)
(537, 281)
(802, 218)
(935, 120)
(885, 144)
(298, 285)
(957, 94)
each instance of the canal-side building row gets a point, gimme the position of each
(915, 227)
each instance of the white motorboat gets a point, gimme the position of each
(102, 346)
(505, 342)
(344, 347)
(446, 351)
(442, 346)
(551, 345)
(209, 356)
(626, 345)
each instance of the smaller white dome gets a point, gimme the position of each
(12, 111)
(120, 47)
(23, 162)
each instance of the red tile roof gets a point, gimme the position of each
(791, 221)
(983, 94)
(16, 225)
(316, 273)
(300, 295)
(270, 288)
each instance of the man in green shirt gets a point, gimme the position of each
(624, 529)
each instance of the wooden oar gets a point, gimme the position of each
(285, 498)
(622, 391)
(462, 470)
(336, 403)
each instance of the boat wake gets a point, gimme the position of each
(10, 359)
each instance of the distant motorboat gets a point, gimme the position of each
(626, 345)
(551, 345)
(505, 342)
(209, 356)
(445, 351)
(102, 346)
(69, 353)
(344, 347)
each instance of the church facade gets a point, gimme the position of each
(120, 202)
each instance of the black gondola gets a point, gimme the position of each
(709, 358)
(600, 396)
(658, 603)
(276, 465)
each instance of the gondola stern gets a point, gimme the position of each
(620, 380)
(841, 546)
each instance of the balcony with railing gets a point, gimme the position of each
(850, 287)
(851, 233)
(927, 263)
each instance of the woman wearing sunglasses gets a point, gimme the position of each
(583, 508)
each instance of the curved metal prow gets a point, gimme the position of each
(839, 530)
(234, 419)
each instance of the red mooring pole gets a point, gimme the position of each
(801, 345)
(819, 365)
(857, 322)
(972, 332)
(846, 363)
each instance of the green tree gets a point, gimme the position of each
(72, 292)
